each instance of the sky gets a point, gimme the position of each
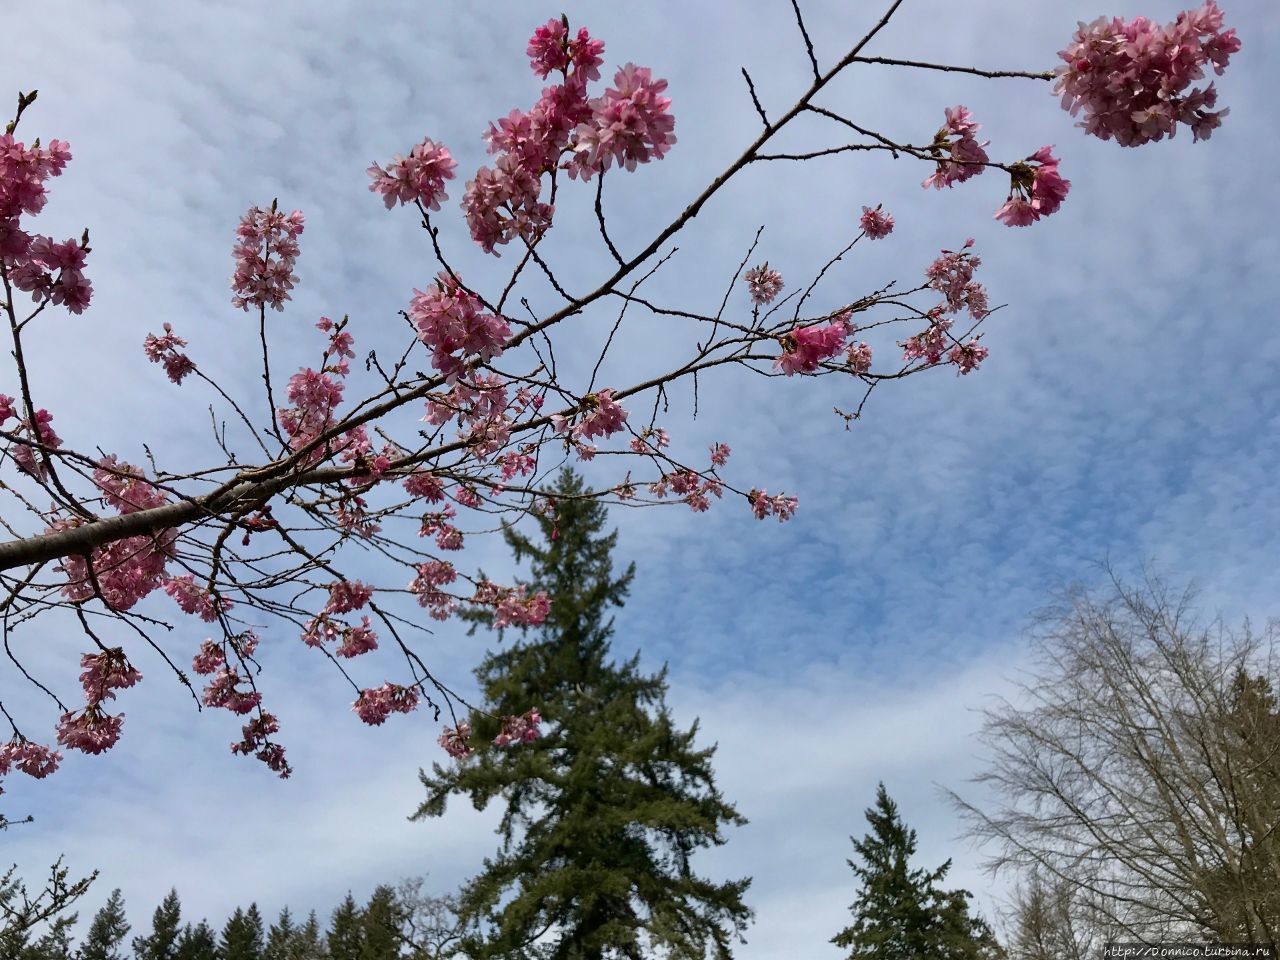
(1127, 411)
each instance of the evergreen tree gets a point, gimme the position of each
(346, 931)
(901, 913)
(281, 938)
(380, 926)
(54, 943)
(162, 942)
(106, 933)
(308, 941)
(605, 810)
(242, 936)
(197, 943)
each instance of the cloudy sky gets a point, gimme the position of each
(1127, 411)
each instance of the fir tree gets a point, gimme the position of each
(345, 931)
(106, 933)
(901, 913)
(197, 943)
(242, 936)
(280, 938)
(604, 812)
(380, 926)
(308, 941)
(162, 942)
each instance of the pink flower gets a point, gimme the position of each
(424, 484)
(91, 731)
(221, 692)
(195, 599)
(455, 742)
(257, 733)
(930, 344)
(433, 575)
(720, 454)
(29, 461)
(522, 729)
(763, 284)
(164, 350)
(629, 125)
(779, 505)
(418, 177)
(105, 673)
(265, 255)
(967, 356)
(952, 276)
(1131, 77)
(375, 704)
(357, 640)
(315, 397)
(859, 358)
(31, 758)
(604, 418)
(1034, 192)
(347, 595)
(805, 347)
(450, 320)
(210, 659)
(875, 224)
(958, 152)
(551, 49)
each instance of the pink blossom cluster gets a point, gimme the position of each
(457, 743)
(552, 50)
(424, 484)
(194, 599)
(931, 343)
(164, 350)
(223, 691)
(951, 274)
(518, 463)
(347, 595)
(876, 224)
(417, 178)
(511, 606)
(29, 757)
(448, 537)
(265, 254)
(30, 261)
(691, 486)
(27, 458)
(602, 416)
(720, 454)
(629, 125)
(957, 150)
(352, 640)
(451, 320)
(91, 730)
(521, 729)
(375, 704)
(859, 358)
(125, 570)
(806, 347)
(1131, 77)
(315, 396)
(763, 284)
(257, 740)
(1034, 191)
(433, 575)
(778, 505)
(967, 356)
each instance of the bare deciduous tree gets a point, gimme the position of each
(1138, 775)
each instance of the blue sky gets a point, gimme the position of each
(1128, 409)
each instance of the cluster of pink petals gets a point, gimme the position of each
(448, 537)
(424, 484)
(257, 740)
(456, 743)
(433, 575)
(195, 599)
(357, 640)
(521, 729)
(29, 461)
(209, 659)
(603, 416)
(518, 463)
(222, 691)
(91, 730)
(106, 672)
(375, 704)
(315, 396)
(347, 595)
(629, 125)
(164, 350)
(31, 261)
(779, 505)
(930, 344)
(957, 150)
(551, 49)
(967, 356)
(502, 203)
(511, 606)
(418, 177)
(691, 486)
(33, 273)
(720, 454)
(1131, 77)
(951, 274)
(763, 284)
(1034, 192)
(859, 358)
(265, 254)
(876, 224)
(452, 321)
(806, 347)
(29, 757)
